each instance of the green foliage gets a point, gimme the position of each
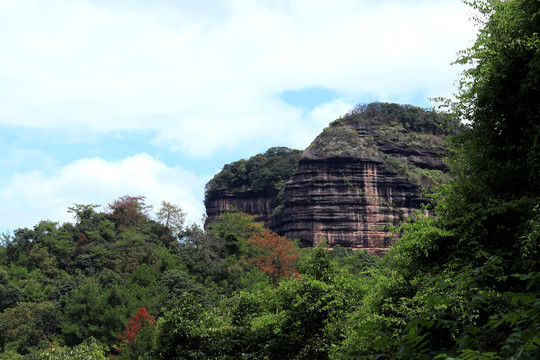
(26, 326)
(190, 332)
(406, 116)
(462, 284)
(235, 228)
(499, 96)
(171, 216)
(300, 319)
(342, 142)
(263, 172)
(203, 253)
(88, 350)
(420, 247)
(9, 295)
(358, 262)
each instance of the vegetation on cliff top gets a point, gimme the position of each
(410, 117)
(263, 172)
(383, 123)
(368, 130)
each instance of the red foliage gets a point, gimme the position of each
(129, 210)
(140, 320)
(277, 254)
(81, 242)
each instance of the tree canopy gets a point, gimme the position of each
(412, 118)
(263, 172)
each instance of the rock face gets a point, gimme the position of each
(346, 202)
(251, 185)
(359, 177)
(259, 203)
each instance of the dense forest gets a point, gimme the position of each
(130, 283)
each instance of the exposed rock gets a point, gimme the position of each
(362, 175)
(252, 185)
(259, 203)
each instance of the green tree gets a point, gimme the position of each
(10, 295)
(88, 350)
(235, 228)
(499, 97)
(496, 164)
(83, 212)
(27, 326)
(300, 318)
(191, 332)
(262, 172)
(203, 252)
(459, 284)
(172, 217)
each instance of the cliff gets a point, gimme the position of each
(362, 175)
(253, 186)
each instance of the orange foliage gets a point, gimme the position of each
(277, 255)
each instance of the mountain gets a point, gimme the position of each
(362, 175)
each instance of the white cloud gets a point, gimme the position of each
(204, 80)
(26, 197)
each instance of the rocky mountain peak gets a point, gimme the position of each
(362, 175)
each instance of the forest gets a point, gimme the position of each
(128, 282)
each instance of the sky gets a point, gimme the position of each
(105, 98)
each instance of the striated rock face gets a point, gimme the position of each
(251, 185)
(251, 202)
(359, 177)
(346, 202)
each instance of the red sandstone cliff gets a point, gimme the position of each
(364, 174)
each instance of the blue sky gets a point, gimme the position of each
(100, 99)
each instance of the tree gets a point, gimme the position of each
(9, 294)
(83, 211)
(137, 337)
(464, 284)
(299, 318)
(172, 217)
(266, 172)
(203, 252)
(275, 255)
(499, 95)
(129, 210)
(88, 350)
(190, 332)
(496, 163)
(27, 326)
(235, 228)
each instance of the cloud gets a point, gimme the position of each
(26, 196)
(200, 80)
